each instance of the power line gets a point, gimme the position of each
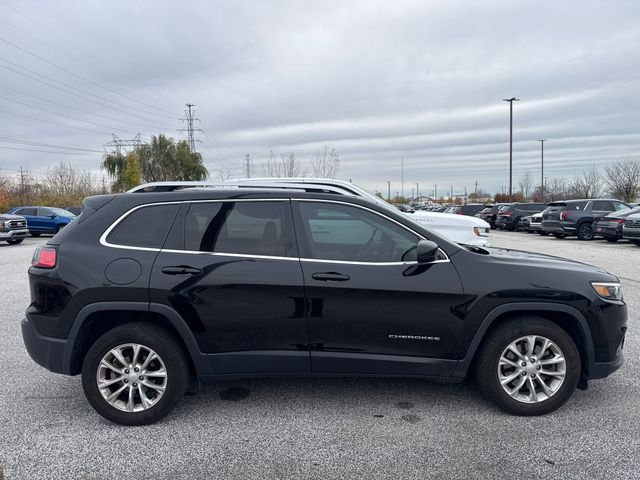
(79, 109)
(48, 145)
(97, 62)
(44, 151)
(52, 122)
(63, 115)
(88, 80)
(73, 88)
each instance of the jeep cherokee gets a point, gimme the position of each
(142, 294)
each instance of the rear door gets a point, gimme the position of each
(45, 220)
(30, 214)
(372, 309)
(232, 272)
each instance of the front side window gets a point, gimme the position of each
(26, 211)
(247, 228)
(44, 212)
(346, 233)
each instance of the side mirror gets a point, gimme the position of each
(51, 216)
(426, 251)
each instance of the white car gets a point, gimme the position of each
(459, 228)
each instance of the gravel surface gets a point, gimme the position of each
(321, 428)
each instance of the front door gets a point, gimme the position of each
(231, 269)
(372, 309)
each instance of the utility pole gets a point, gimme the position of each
(118, 144)
(476, 190)
(190, 117)
(412, 197)
(511, 100)
(542, 140)
(435, 192)
(247, 165)
(402, 175)
(450, 193)
(417, 190)
(388, 191)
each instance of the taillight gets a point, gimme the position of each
(506, 214)
(563, 215)
(44, 257)
(616, 220)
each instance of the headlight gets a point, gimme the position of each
(480, 232)
(608, 290)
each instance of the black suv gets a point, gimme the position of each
(508, 218)
(490, 213)
(142, 294)
(576, 217)
(470, 209)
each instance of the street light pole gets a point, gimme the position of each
(417, 190)
(542, 140)
(511, 100)
(388, 191)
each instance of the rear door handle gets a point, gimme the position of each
(182, 270)
(330, 277)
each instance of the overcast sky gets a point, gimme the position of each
(377, 81)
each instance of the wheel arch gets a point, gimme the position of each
(565, 316)
(95, 319)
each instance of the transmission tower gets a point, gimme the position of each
(119, 144)
(189, 118)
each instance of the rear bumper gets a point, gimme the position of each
(12, 234)
(47, 352)
(552, 226)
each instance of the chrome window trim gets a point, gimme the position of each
(105, 243)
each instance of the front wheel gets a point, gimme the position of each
(585, 231)
(528, 366)
(135, 374)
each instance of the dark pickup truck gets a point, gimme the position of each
(13, 228)
(576, 217)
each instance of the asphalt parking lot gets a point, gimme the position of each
(321, 428)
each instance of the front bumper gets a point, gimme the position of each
(535, 227)
(631, 233)
(47, 352)
(13, 234)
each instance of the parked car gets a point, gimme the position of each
(149, 290)
(535, 223)
(508, 218)
(44, 219)
(490, 213)
(523, 224)
(576, 217)
(631, 228)
(469, 209)
(13, 228)
(610, 226)
(459, 228)
(405, 208)
(75, 210)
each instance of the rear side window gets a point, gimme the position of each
(145, 227)
(26, 211)
(246, 228)
(602, 205)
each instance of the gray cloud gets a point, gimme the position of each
(377, 81)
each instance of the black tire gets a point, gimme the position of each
(585, 231)
(15, 241)
(514, 225)
(544, 234)
(559, 235)
(60, 227)
(611, 239)
(152, 337)
(34, 234)
(498, 340)
(636, 242)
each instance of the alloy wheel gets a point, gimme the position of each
(531, 369)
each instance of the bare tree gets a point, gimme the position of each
(555, 189)
(623, 179)
(65, 180)
(586, 185)
(526, 183)
(223, 175)
(325, 163)
(286, 166)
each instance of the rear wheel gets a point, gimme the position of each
(35, 234)
(528, 366)
(544, 234)
(15, 241)
(585, 231)
(135, 374)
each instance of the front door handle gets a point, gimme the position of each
(182, 270)
(330, 277)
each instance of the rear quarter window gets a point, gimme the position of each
(145, 227)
